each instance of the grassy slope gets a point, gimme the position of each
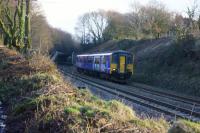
(39, 100)
(161, 63)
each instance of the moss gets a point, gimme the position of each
(72, 110)
(90, 113)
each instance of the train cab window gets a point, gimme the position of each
(115, 58)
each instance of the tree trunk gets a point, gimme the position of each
(27, 26)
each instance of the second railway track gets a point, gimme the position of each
(144, 99)
(186, 99)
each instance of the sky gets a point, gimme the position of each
(63, 14)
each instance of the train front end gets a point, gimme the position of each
(121, 65)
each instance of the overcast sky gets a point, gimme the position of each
(63, 14)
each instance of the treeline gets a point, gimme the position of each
(47, 39)
(44, 39)
(149, 21)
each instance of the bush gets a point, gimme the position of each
(183, 126)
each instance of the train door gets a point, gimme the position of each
(122, 64)
(97, 64)
(101, 64)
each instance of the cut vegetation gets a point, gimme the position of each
(39, 100)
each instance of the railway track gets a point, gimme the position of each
(170, 94)
(145, 100)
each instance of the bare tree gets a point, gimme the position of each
(134, 19)
(81, 29)
(91, 27)
(156, 19)
(118, 27)
(192, 17)
(41, 33)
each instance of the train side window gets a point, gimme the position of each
(97, 60)
(89, 59)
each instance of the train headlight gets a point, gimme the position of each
(114, 69)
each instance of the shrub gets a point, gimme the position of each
(183, 126)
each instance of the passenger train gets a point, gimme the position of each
(110, 65)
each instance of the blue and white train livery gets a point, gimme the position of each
(117, 64)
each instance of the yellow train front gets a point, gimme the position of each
(114, 65)
(121, 65)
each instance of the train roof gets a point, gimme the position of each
(104, 53)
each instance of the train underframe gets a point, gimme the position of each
(115, 76)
